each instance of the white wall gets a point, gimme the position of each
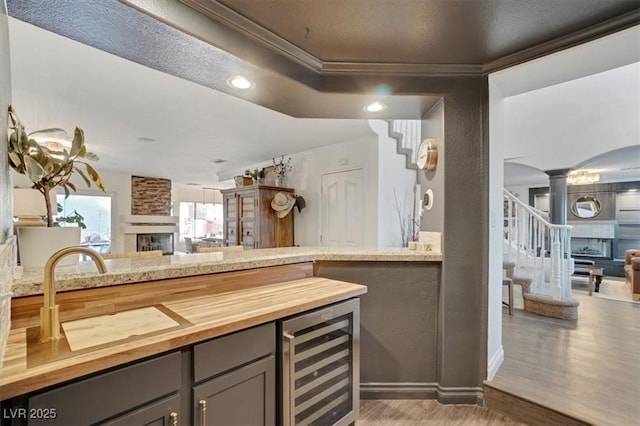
(195, 194)
(520, 191)
(309, 166)
(395, 181)
(495, 352)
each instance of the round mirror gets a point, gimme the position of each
(586, 207)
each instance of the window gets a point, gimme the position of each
(96, 211)
(200, 220)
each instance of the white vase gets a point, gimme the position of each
(37, 243)
(281, 181)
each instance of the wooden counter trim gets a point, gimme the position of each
(212, 315)
(76, 304)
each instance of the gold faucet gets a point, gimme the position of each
(49, 320)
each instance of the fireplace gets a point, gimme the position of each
(591, 247)
(156, 241)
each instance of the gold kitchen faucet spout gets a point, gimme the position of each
(49, 319)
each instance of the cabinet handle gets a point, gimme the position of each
(203, 412)
(174, 419)
(291, 386)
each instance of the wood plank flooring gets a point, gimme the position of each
(588, 369)
(427, 412)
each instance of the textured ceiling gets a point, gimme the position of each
(290, 73)
(420, 32)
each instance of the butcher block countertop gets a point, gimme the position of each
(208, 315)
(134, 270)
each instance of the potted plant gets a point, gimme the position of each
(48, 165)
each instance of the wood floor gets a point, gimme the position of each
(589, 369)
(427, 412)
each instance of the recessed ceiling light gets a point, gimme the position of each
(239, 82)
(375, 107)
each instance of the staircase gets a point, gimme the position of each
(536, 255)
(408, 134)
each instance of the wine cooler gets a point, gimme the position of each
(320, 371)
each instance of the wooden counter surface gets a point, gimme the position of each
(212, 315)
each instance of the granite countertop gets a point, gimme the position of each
(132, 270)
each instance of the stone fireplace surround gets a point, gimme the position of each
(150, 211)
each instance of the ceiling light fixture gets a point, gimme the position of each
(582, 177)
(219, 161)
(375, 107)
(240, 82)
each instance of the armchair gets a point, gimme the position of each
(632, 272)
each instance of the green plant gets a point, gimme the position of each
(76, 218)
(47, 166)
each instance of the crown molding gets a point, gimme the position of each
(584, 35)
(400, 69)
(239, 23)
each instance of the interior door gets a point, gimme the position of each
(342, 209)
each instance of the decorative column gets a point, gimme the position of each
(558, 196)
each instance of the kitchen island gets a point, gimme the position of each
(218, 294)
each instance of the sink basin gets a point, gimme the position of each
(88, 334)
(125, 325)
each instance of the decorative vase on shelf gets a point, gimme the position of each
(280, 181)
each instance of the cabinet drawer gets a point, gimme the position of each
(100, 397)
(225, 353)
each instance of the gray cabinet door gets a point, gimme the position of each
(106, 395)
(162, 413)
(243, 397)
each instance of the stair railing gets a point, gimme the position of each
(540, 250)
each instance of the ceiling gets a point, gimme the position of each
(168, 82)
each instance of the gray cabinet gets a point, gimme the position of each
(245, 396)
(108, 395)
(162, 413)
(233, 375)
(235, 378)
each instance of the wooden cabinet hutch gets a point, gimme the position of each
(250, 221)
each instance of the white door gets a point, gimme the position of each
(342, 209)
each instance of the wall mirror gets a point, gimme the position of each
(586, 207)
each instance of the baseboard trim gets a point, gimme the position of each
(444, 395)
(460, 395)
(374, 390)
(494, 364)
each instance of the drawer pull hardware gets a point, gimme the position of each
(203, 412)
(174, 419)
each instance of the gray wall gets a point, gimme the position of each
(433, 128)
(5, 98)
(463, 302)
